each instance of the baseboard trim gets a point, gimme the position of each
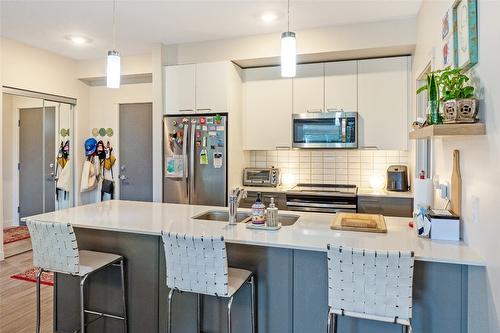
(2, 257)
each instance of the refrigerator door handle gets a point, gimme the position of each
(192, 159)
(185, 158)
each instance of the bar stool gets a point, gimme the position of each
(55, 250)
(199, 265)
(374, 285)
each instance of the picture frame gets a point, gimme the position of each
(447, 24)
(465, 34)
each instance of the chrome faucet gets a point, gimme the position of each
(234, 201)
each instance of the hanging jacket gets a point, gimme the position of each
(89, 176)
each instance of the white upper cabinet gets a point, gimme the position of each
(267, 109)
(308, 89)
(180, 89)
(383, 103)
(212, 81)
(341, 79)
(198, 88)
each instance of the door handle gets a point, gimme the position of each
(122, 177)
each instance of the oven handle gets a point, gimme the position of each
(319, 205)
(320, 210)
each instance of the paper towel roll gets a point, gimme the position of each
(423, 192)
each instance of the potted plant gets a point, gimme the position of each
(457, 96)
(433, 115)
(459, 103)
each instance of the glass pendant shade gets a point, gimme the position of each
(113, 70)
(288, 54)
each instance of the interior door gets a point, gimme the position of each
(36, 161)
(135, 152)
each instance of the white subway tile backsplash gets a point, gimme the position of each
(330, 166)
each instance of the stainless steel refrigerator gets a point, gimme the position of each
(195, 159)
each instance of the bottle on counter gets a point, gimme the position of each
(272, 215)
(258, 211)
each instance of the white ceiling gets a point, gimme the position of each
(141, 23)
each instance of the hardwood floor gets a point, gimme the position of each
(15, 248)
(17, 298)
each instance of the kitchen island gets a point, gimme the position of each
(290, 266)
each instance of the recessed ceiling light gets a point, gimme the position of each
(268, 17)
(78, 40)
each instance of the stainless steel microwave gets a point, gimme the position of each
(325, 130)
(261, 177)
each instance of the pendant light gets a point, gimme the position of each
(113, 65)
(288, 50)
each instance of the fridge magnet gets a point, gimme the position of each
(203, 157)
(212, 147)
(465, 34)
(212, 133)
(220, 128)
(209, 120)
(198, 143)
(198, 127)
(174, 123)
(198, 134)
(217, 160)
(212, 128)
(220, 143)
(204, 128)
(204, 141)
(194, 121)
(218, 119)
(174, 167)
(203, 121)
(185, 120)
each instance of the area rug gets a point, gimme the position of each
(14, 234)
(30, 275)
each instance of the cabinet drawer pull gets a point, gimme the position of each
(314, 110)
(185, 110)
(368, 147)
(204, 109)
(282, 147)
(334, 110)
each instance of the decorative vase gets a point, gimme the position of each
(461, 110)
(434, 117)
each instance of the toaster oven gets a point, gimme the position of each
(261, 177)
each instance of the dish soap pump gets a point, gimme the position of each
(258, 211)
(272, 215)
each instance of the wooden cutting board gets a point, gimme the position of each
(456, 185)
(359, 222)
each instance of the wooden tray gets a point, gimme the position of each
(359, 222)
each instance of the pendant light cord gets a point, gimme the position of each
(288, 16)
(114, 25)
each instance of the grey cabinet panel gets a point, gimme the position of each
(279, 199)
(388, 206)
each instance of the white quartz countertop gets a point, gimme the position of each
(310, 232)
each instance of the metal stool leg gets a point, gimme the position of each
(82, 303)
(252, 303)
(38, 305)
(334, 322)
(124, 300)
(329, 323)
(229, 304)
(199, 312)
(169, 315)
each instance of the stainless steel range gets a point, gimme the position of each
(324, 198)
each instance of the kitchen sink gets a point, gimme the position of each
(222, 216)
(287, 219)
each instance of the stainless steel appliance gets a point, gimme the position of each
(195, 159)
(261, 177)
(324, 198)
(325, 130)
(397, 178)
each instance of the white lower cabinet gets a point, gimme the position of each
(267, 109)
(383, 103)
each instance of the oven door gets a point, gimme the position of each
(320, 203)
(325, 130)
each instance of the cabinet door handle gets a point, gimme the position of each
(314, 110)
(334, 110)
(282, 147)
(368, 147)
(204, 109)
(185, 110)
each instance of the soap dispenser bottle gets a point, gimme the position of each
(272, 215)
(258, 211)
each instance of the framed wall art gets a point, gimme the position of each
(465, 33)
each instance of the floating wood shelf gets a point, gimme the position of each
(448, 130)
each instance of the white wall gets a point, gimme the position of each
(29, 68)
(332, 39)
(103, 112)
(480, 155)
